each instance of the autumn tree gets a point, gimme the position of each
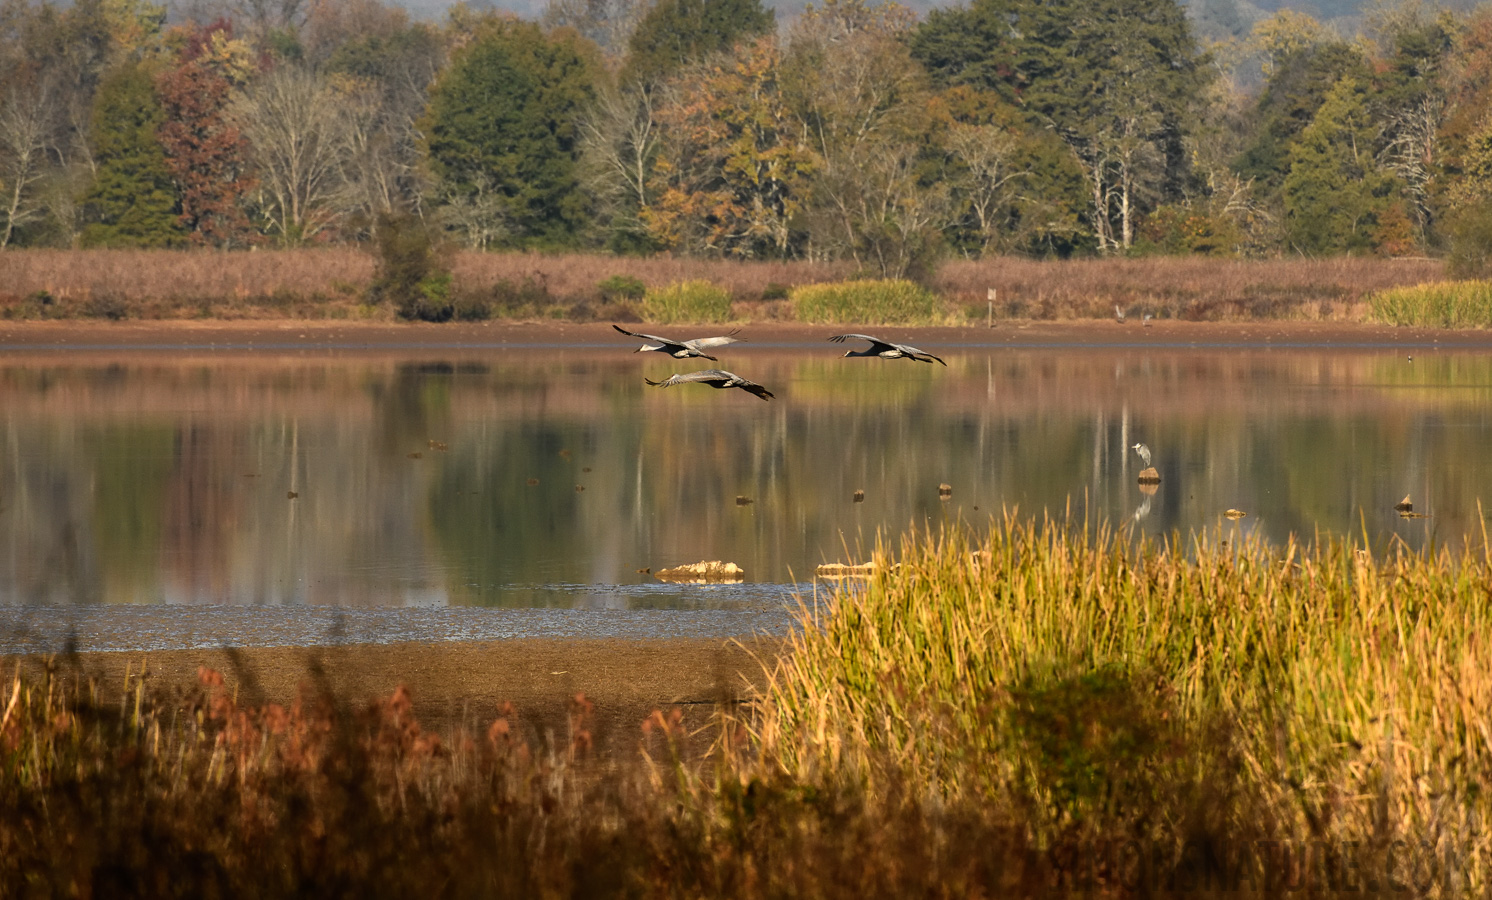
(384, 81)
(674, 33)
(205, 151)
(507, 109)
(733, 169)
(296, 127)
(1014, 188)
(867, 109)
(132, 201)
(621, 138)
(27, 122)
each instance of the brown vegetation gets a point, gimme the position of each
(1191, 288)
(333, 283)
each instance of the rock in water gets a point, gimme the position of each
(714, 571)
(1149, 476)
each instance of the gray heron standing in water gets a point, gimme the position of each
(715, 378)
(886, 349)
(681, 349)
(1144, 453)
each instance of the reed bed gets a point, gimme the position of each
(1440, 304)
(1100, 685)
(696, 301)
(332, 282)
(872, 302)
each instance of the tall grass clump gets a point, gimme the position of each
(1440, 304)
(1100, 686)
(871, 302)
(695, 301)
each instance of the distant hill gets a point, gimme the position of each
(1214, 19)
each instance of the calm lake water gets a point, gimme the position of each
(481, 493)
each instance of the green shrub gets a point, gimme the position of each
(687, 301)
(870, 301)
(622, 287)
(409, 274)
(1441, 304)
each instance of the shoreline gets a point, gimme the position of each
(457, 685)
(293, 335)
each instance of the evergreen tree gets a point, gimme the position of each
(675, 32)
(504, 117)
(1298, 83)
(132, 202)
(1119, 81)
(1335, 193)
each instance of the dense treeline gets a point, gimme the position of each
(705, 128)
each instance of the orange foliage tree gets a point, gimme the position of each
(205, 152)
(733, 169)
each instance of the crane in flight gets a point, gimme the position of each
(681, 349)
(715, 378)
(886, 349)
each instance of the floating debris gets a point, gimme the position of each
(579, 488)
(704, 572)
(1149, 476)
(564, 454)
(415, 455)
(1404, 505)
(532, 482)
(945, 491)
(586, 469)
(846, 570)
(438, 445)
(859, 497)
(645, 570)
(743, 500)
(1410, 514)
(291, 495)
(1234, 514)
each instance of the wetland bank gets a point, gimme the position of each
(1023, 690)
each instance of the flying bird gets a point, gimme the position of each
(715, 378)
(681, 349)
(886, 349)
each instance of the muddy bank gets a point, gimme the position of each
(464, 684)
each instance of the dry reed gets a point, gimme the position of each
(332, 282)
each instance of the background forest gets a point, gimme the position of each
(857, 132)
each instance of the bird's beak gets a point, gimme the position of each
(846, 353)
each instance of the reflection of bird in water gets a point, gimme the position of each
(1143, 451)
(680, 349)
(715, 378)
(1143, 509)
(886, 349)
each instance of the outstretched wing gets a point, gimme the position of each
(754, 388)
(919, 355)
(708, 376)
(661, 341)
(840, 338)
(707, 343)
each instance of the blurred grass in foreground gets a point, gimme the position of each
(1031, 710)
